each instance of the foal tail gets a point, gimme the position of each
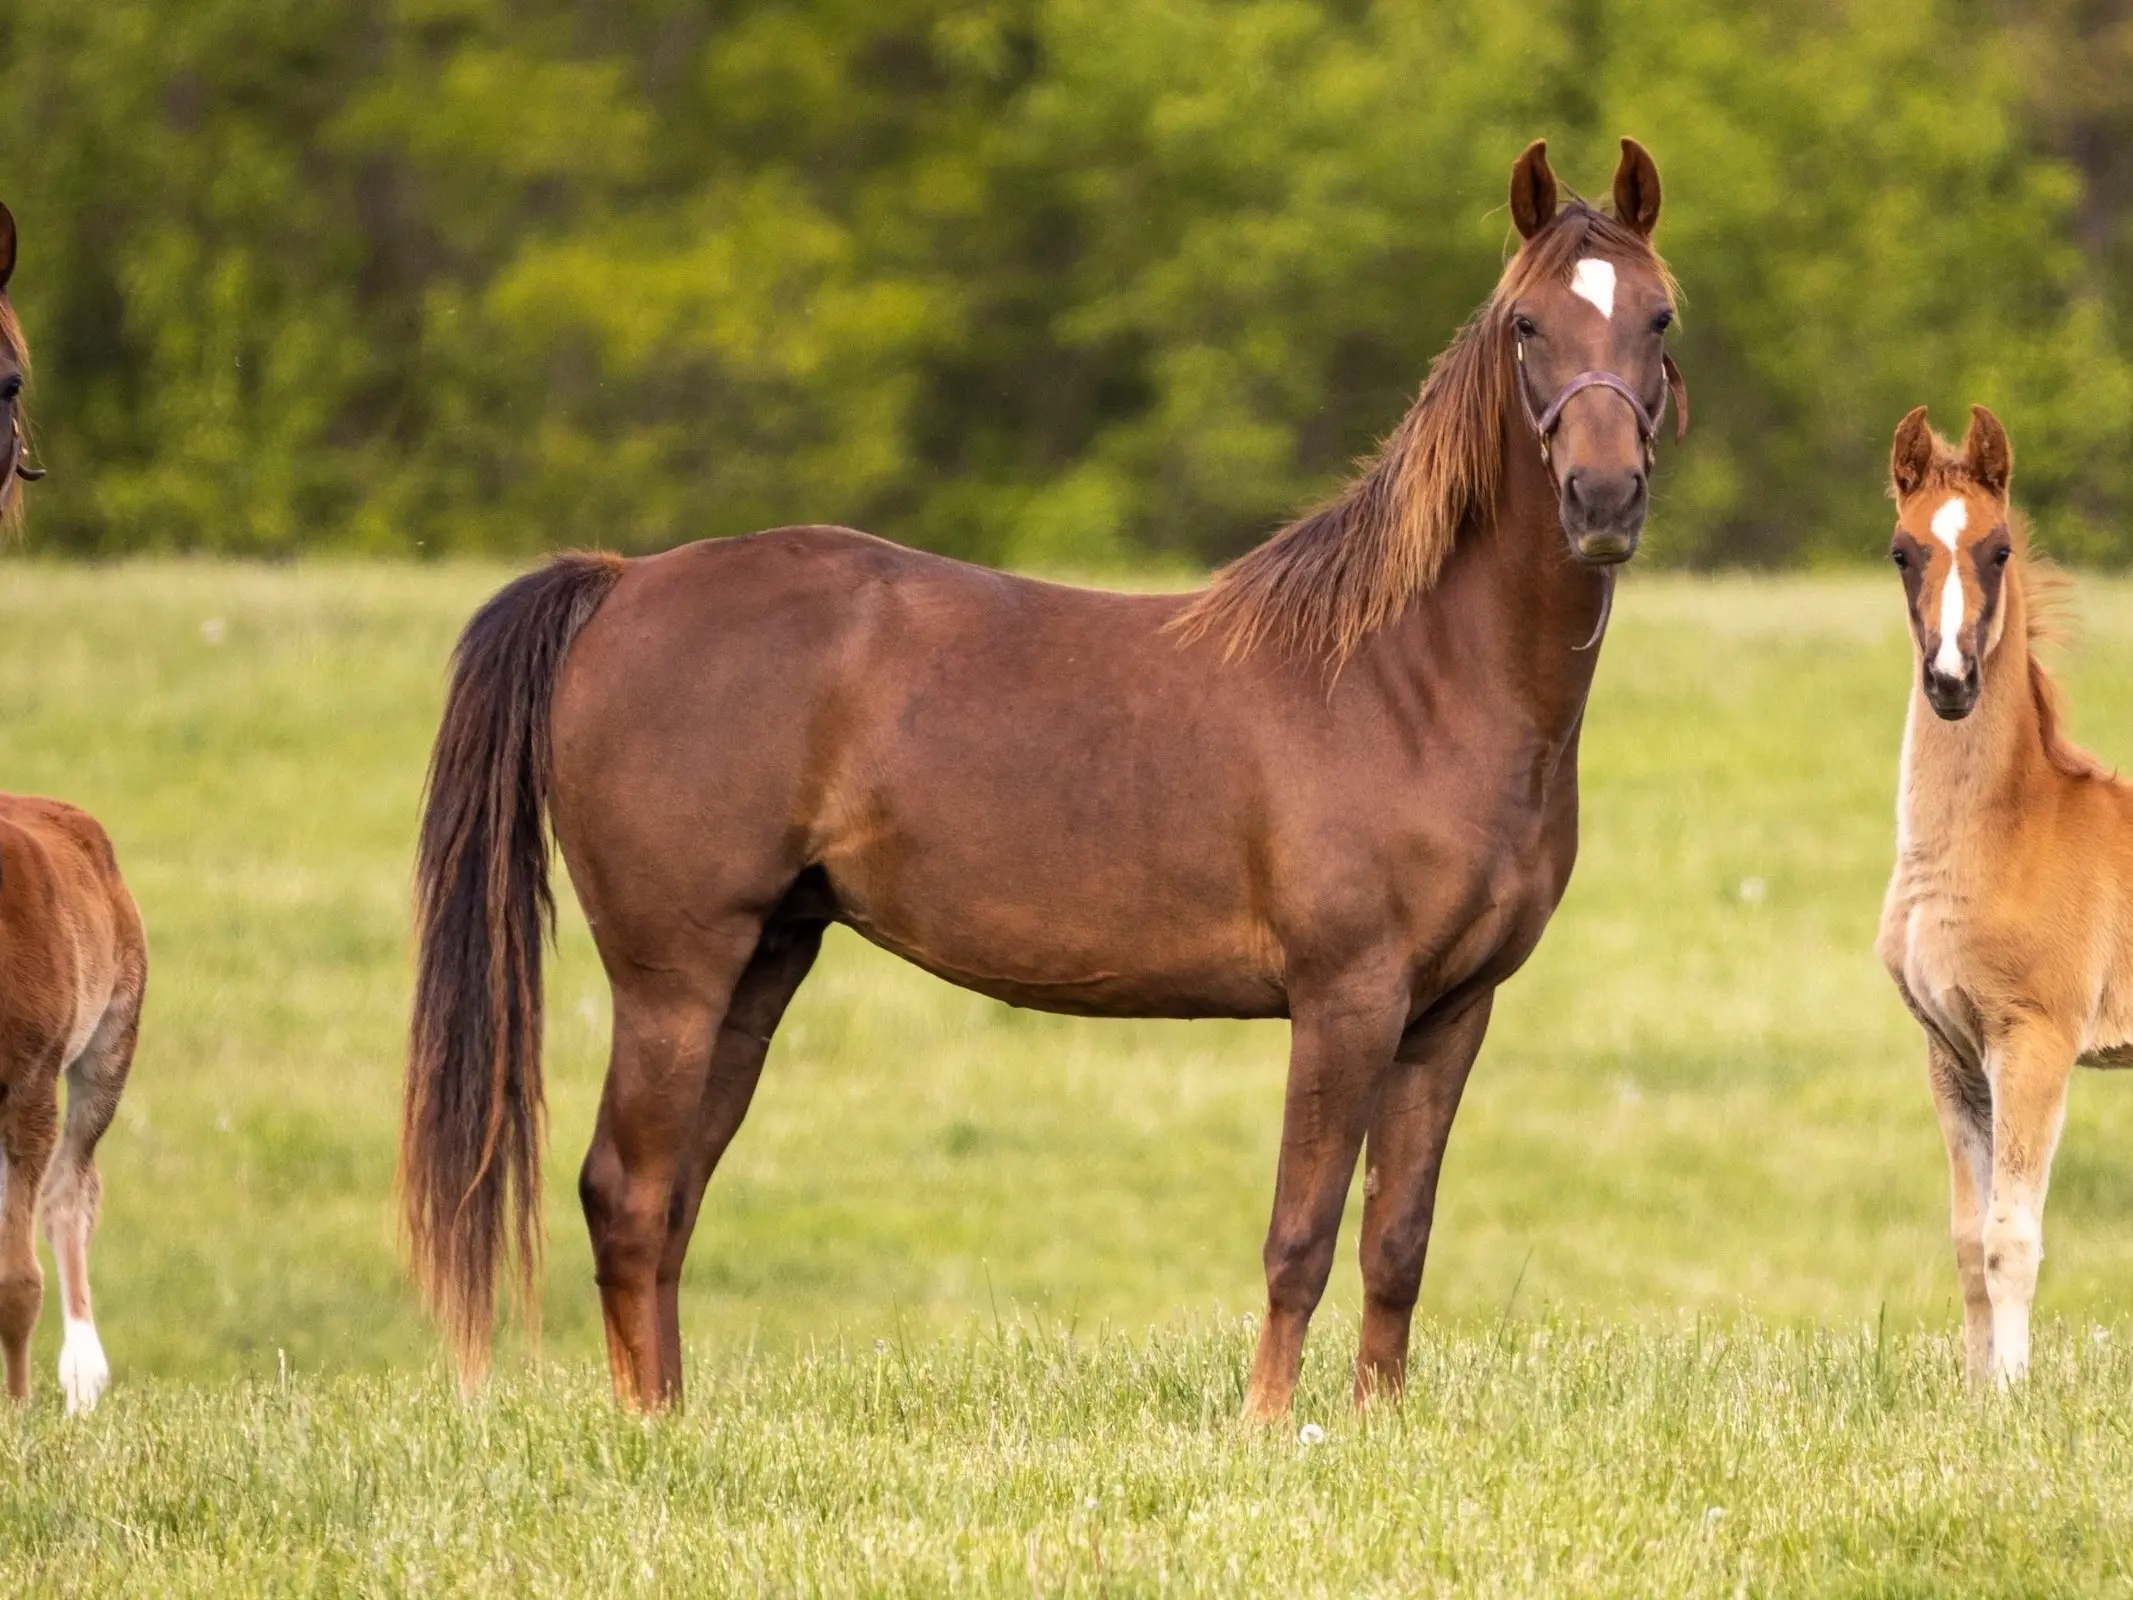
(470, 1138)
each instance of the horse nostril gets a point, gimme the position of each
(1570, 487)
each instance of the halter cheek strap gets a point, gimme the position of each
(17, 448)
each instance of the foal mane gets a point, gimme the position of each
(1330, 579)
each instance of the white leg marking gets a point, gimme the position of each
(1594, 281)
(83, 1371)
(2014, 1245)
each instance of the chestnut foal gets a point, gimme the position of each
(1338, 785)
(73, 966)
(2009, 921)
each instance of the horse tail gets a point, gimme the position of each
(470, 1138)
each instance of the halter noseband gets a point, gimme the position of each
(1544, 423)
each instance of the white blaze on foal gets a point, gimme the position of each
(1948, 525)
(1594, 282)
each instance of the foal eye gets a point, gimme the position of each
(1523, 326)
(1900, 558)
(1999, 556)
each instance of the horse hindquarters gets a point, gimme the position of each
(74, 974)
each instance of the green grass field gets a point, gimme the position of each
(967, 1305)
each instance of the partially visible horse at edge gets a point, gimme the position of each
(2008, 926)
(73, 970)
(1337, 785)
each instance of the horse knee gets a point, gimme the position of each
(1392, 1269)
(627, 1222)
(1298, 1262)
(21, 1298)
(2013, 1248)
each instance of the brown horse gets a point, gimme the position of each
(2009, 921)
(73, 967)
(1338, 785)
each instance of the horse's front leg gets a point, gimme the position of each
(1340, 1042)
(2029, 1066)
(1964, 1100)
(1408, 1133)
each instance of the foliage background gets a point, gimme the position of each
(1037, 281)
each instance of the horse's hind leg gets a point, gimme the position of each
(667, 1020)
(28, 1130)
(773, 975)
(73, 1191)
(1408, 1133)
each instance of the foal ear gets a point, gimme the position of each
(7, 246)
(1987, 455)
(1637, 188)
(1912, 455)
(1532, 190)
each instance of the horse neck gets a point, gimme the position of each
(1513, 612)
(1955, 775)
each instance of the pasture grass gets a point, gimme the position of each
(966, 1268)
(1545, 1457)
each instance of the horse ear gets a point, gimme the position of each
(7, 246)
(1987, 454)
(1637, 188)
(1912, 455)
(1532, 190)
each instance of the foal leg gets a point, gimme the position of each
(1339, 1047)
(766, 987)
(1407, 1139)
(26, 1140)
(2033, 1066)
(665, 1025)
(73, 1192)
(1963, 1098)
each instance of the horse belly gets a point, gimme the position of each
(1025, 926)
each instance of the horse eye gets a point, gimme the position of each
(1900, 558)
(1662, 322)
(1999, 556)
(11, 388)
(1523, 326)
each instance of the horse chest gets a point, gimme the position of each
(1929, 964)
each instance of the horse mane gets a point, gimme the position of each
(1323, 584)
(10, 485)
(2045, 592)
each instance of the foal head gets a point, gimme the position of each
(1589, 304)
(14, 372)
(1953, 543)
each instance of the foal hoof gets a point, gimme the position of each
(84, 1374)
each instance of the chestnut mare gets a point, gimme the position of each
(2009, 921)
(1338, 785)
(73, 967)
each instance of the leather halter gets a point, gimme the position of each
(1544, 422)
(18, 447)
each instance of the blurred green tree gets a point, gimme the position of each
(1071, 282)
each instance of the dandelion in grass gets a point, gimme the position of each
(1310, 1434)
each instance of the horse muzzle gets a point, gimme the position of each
(1952, 699)
(1603, 514)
